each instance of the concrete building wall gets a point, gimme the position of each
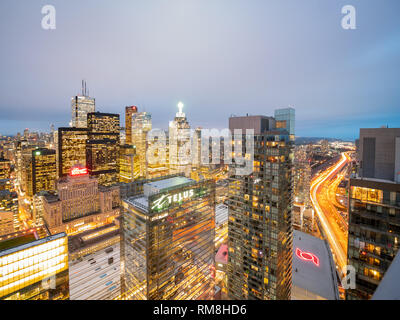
(378, 152)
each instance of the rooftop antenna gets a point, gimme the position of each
(82, 89)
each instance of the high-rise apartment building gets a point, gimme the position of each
(167, 245)
(44, 170)
(374, 209)
(71, 149)
(6, 222)
(80, 107)
(260, 205)
(102, 147)
(5, 168)
(34, 266)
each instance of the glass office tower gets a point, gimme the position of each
(168, 241)
(71, 149)
(44, 170)
(102, 147)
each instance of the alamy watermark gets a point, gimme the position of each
(205, 147)
(349, 20)
(49, 18)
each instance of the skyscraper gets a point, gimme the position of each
(44, 170)
(34, 266)
(102, 147)
(260, 204)
(179, 144)
(129, 112)
(80, 107)
(168, 241)
(141, 125)
(71, 149)
(374, 209)
(127, 163)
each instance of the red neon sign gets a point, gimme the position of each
(79, 171)
(307, 256)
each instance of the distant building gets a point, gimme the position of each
(179, 137)
(102, 147)
(44, 170)
(314, 272)
(6, 222)
(127, 163)
(379, 153)
(5, 168)
(71, 149)
(80, 107)
(141, 125)
(129, 112)
(285, 119)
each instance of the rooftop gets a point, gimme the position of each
(170, 183)
(314, 273)
(151, 188)
(26, 239)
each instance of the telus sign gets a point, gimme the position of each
(165, 200)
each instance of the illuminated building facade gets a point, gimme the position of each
(9, 203)
(102, 147)
(44, 170)
(5, 168)
(141, 125)
(127, 163)
(180, 159)
(71, 149)
(80, 204)
(129, 112)
(34, 266)
(80, 107)
(168, 241)
(260, 214)
(374, 232)
(6, 222)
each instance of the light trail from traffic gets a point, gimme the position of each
(334, 242)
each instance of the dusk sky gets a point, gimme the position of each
(220, 57)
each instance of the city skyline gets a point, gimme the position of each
(234, 59)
